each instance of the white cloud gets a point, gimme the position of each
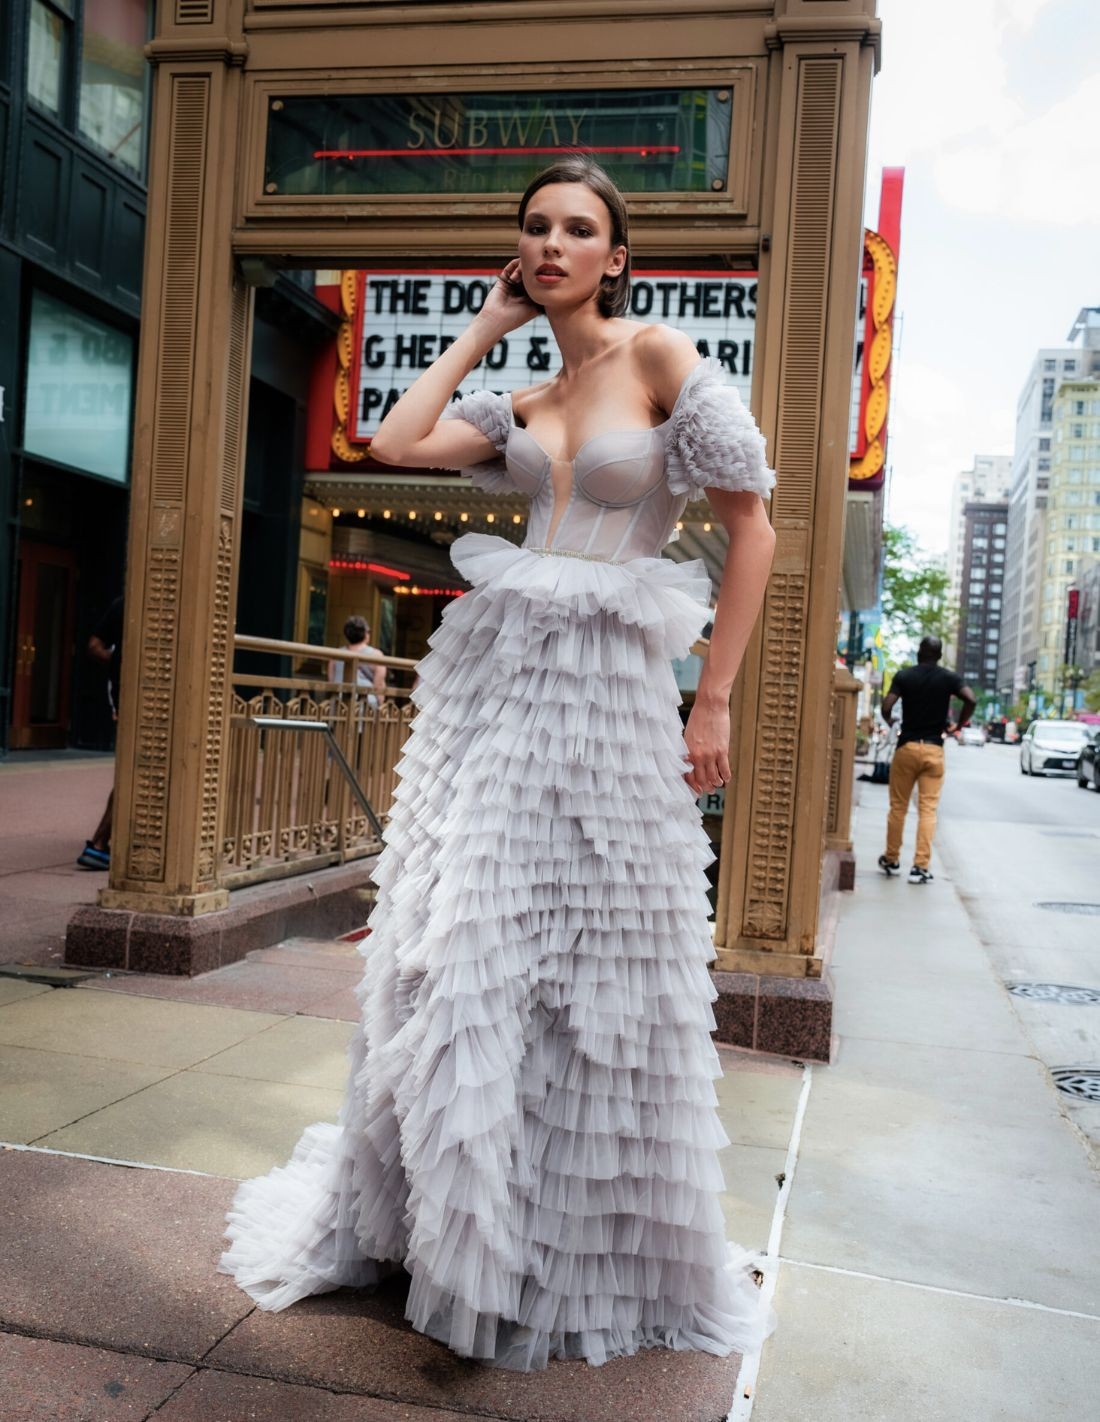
(1043, 169)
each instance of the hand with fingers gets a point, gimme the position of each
(707, 738)
(508, 306)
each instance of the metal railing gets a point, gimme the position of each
(310, 765)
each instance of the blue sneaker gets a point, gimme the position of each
(92, 858)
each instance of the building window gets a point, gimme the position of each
(1069, 565)
(113, 78)
(47, 43)
(1048, 365)
(1044, 465)
(78, 390)
(1069, 365)
(1044, 444)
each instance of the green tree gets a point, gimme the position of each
(1092, 691)
(915, 597)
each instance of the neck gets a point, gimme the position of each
(581, 334)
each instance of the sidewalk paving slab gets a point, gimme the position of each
(68, 1382)
(850, 1349)
(127, 1028)
(43, 1091)
(212, 1396)
(119, 1258)
(222, 1125)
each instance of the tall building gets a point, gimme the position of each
(1072, 542)
(1018, 661)
(988, 482)
(985, 527)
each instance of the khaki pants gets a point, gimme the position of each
(915, 763)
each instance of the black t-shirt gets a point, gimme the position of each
(926, 691)
(109, 632)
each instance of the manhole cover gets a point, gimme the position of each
(1081, 1082)
(1054, 992)
(1070, 908)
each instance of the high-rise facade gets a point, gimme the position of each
(989, 480)
(1072, 542)
(1019, 657)
(981, 597)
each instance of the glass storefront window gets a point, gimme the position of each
(113, 78)
(78, 390)
(650, 140)
(46, 41)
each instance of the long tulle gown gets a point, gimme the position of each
(529, 1125)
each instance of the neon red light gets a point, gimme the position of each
(645, 152)
(355, 566)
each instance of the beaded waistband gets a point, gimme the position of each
(572, 553)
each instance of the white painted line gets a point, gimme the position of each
(745, 1395)
(108, 1160)
(938, 1289)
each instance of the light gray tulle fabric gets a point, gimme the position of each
(529, 1126)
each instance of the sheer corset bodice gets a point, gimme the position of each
(618, 505)
(625, 489)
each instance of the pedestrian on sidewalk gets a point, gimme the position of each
(925, 692)
(357, 639)
(105, 646)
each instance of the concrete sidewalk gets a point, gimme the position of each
(933, 1243)
(50, 804)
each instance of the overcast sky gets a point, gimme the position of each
(993, 109)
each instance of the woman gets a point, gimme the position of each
(529, 1126)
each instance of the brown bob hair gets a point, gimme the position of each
(614, 293)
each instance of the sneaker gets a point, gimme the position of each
(917, 875)
(889, 867)
(92, 858)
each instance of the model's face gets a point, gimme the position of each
(565, 247)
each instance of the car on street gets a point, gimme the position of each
(1088, 762)
(1052, 747)
(971, 736)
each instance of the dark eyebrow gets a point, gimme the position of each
(592, 221)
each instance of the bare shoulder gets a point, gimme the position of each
(525, 401)
(664, 357)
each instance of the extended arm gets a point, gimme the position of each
(667, 357)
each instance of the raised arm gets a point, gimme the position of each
(412, 433)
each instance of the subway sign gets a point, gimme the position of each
(649, 140)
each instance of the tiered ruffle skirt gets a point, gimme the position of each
(529, 1127)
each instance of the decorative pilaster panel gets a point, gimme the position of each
(771, 837)
(190, 422)
(175, 362)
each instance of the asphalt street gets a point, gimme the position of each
(1024, 855)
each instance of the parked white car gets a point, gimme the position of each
(1052, 747)
(971, 736)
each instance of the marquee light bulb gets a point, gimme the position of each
(438, 515)
(412, 513)
(516, 518)
(679, 526)
(386, 513)
(490, 518)
(361, 512)
(706, 528)
(464, 518)
(336, 513)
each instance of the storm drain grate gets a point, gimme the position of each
(1069, 908)
(1081, 1082)
(1055, 992)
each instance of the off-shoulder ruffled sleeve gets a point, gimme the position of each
(712, 440)
(491, 415)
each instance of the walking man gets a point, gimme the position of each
(925, 692)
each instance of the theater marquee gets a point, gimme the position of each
(405, 320)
